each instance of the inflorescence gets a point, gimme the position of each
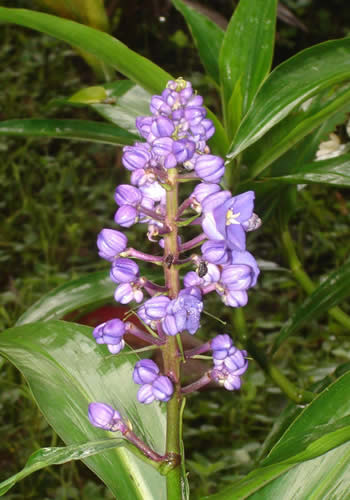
(176, 137)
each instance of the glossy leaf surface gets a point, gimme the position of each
(54, 456)
(66, 370)
(81, 130)
(207, 36)
(304, 464)
(330, 293)
(290, 84)
(247, 50)
(105, 47)
(335, 171)
(81, 292)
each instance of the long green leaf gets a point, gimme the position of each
(296, 126)
(206, 35)
(330, 293)
(305, 456)
(247, 50)
(81, 130)
(107, 48)
(335, 171)
(289, 85)
(66, 370)
(55, 456)
(90, 289)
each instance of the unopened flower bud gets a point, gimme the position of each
(111, 243)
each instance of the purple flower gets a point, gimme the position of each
(145, 372)
(229, 362)
(204, 189)
(111, 243)
(216, 252)
(162, 388)
(124, 271)
(210, 168)
(225, 219)
(145, 394)
(183, 313)
(106, 417)
(111, 333)
(183, 150)
(155, 308)
(220, 346)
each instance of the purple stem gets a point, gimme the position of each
(197, 350)
(151, 213)
(131, 252)
(146, 450)
(153, 288)
(192, 243)
(197, 385)
(137, 332)
(187, 203)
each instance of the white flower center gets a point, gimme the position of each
(231, 218)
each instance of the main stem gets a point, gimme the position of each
(170, 350)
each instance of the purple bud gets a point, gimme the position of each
(156, 306)
(145, 372)
(215, 252)
(195, 102)
(145, 394)
(235, 298)
(192, 279)
(143, 125)
(162, 127)
(135, 157)
(221, 343)
(158, 105)
(127, 195)
(204, 189)
(111, 243)
(237, 277)
(210, 168)
(204, 129)
(111, 333)
(194, 115)
(162, 388)
(246, 258)
(183, 150)
(104, 416)
(126, 216)
(124, 271)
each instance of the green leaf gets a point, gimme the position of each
(290, 84)
(247, 50)
(330, 293)
(304, 464)
(66, 370)
(81, 130)
(54, 456)
(296, 126)
(105, 47)
(206, 35)
(78, 293)
(335, 171)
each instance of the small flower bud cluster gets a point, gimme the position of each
(175, 147)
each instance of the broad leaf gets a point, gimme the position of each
(81, 130)
(54, 456)
(90, 289)
(105, 47)
(290, 84)
(66, 370)
(206, 35)
(335, 171)
(296, 126)
(330, 293)
(304, 458)
(246, 52)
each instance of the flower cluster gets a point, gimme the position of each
(173, 149)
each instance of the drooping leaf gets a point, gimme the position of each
(304, 461)
(290, 84)
(335, 171)
(207, 36)
(105, 47)
(66, 370)
(246, 52)
(296, 126)
(328, 294)
(55, 456)
(81, 130)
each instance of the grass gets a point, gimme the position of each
(56, 196)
